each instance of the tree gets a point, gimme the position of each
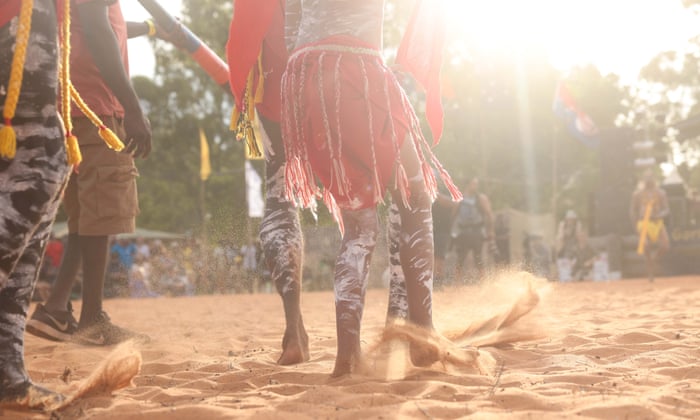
(499, 125)
(180, 100)
(670, 93)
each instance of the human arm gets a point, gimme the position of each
(103, 46)
(137, 29)
(446, 201)
(292, 20)
(176, 36)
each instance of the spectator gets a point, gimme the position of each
(472, 223)
(573, 254)
(126, 251)
(142, 248)
(139, 279)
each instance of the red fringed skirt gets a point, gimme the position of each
(344, 120)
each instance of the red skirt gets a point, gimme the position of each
(344, 120)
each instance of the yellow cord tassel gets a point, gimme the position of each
(72, 147)
(8, 137)
(243, 120)
(73, 150)
(109, 137)
(8, 142)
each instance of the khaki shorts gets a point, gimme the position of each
(101, 197)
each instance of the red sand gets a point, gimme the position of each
(625, 349)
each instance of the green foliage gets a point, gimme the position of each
(499, 125)
(180, 100)
(669, 93)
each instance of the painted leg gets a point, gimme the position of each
(30, 186)
(416, 250)
(16, 389)
(283, 247)
(398, 299)
(351, 272)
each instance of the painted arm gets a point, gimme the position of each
(103, 46)
(292, 21)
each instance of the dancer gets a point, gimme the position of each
(648, 208)
(347, 122)
(100, 198)
(280, 231)
(32, 177)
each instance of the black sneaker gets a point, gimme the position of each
(52, 325)
(101, 332)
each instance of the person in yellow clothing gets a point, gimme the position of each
(648, 209)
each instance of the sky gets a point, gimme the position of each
(141, 60)
(618, 36)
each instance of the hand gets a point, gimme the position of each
(177, 35)
(138, 135)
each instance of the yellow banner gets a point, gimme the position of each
(205, 164)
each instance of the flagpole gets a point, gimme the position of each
(555, 174)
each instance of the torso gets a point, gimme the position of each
(646, 196)
(84, 72)
(324, 18)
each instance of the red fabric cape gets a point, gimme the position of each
(420, 53)
(257, 23)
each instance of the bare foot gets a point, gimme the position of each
(422, 356)
(346, 364)
(30, 396)
(295, 347)
(347, 367)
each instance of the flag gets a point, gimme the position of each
(253, 184)
(205, 165)
(580, 125)
(420, 53)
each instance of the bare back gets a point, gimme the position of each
(321, 19)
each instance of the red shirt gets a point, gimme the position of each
(54, 252)
(84, 73)
(8, 10)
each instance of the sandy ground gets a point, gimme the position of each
(625, 349)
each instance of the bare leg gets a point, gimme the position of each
(61, 289)
(351, 272)
(398, 299)
(654, 253)
(282, 243)
(94, 252)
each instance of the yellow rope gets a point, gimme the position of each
(243, 120)
(8, 137)
(72, 147)
(106, 134)
(68, 93)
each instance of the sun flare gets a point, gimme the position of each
(617, 35)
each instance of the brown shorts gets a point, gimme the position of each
(101, 197)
